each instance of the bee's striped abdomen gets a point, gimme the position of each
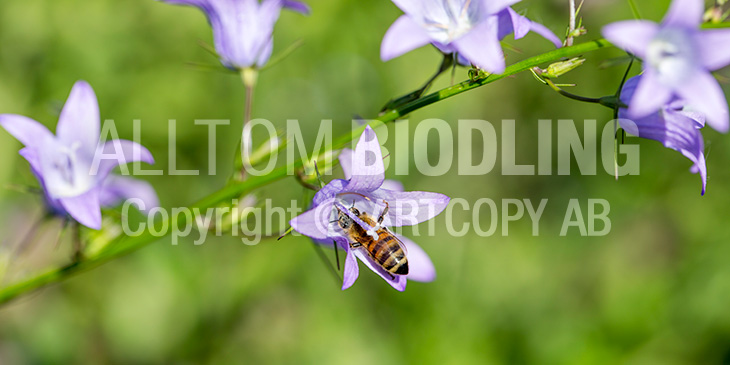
(387, 252)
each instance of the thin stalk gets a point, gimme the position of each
(571, 26)
(571, 96)
(249, 82)
(634, 9)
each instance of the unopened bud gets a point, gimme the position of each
(561, 68)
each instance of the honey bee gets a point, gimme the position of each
(382, 246)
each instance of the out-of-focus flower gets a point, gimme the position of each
(674, 125)
(678, 58)
(471, 28)
(243, 29)
(368, 191)
(72, 167)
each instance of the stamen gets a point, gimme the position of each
(465, 9)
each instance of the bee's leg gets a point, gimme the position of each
(355, 245)
(392, 277)
(385, 211)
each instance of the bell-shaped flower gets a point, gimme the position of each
(470, 28)
(678, 58)
(367, 191)
(674, 124)
(72, 167)
(243, 29)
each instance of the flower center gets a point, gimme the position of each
(447, 20)
(64, 163)
(65, 174)
(672, 55)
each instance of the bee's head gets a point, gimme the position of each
(343, 220)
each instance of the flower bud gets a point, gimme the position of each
(561, 68)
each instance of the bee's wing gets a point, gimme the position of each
(400, 243)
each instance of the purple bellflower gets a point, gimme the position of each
(368, 190)
(675, 125)
(243, 29)
(678, 58)
(470, 28)
(72, 167)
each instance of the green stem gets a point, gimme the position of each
(125, 245)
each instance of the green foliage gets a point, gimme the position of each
(653, 291)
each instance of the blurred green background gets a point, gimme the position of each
(655, 290)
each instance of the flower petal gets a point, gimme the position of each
(197, 3)
(79, 123)
(394, 185)
(409, 6)
(370, 171)
(495, 6)
(714, 46)
(411, 207)
(314, 222)
(29, 132)
(705, 95)
(297, 6)
(403, 36)
(481, 46)
(511, 22)
(119, 152)
(117, 189)
(329, 191)
(674, 126)
(265, 53)
(31, 155)
(685, 13)
(632, 35)
(396, 281)
(84, 208)
(346, 161)
(674, 131)
(420, 267)
(352, 271)
(650, 96)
